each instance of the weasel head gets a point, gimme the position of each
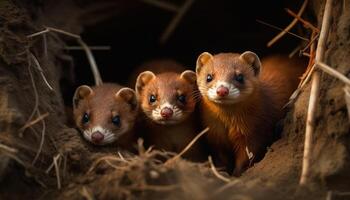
(167, 98)
(227, 78)
(104, 113)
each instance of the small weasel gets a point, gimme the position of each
(241, 103)
(106, 113)
(168, 101)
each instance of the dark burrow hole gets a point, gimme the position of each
(133, 35)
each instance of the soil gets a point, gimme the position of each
(58, 164)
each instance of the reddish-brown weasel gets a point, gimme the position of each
(106, 114)
(168, 101)
(241, 103)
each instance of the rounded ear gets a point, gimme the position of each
(129, 96)
(203, 59)
(252, 59)
(143, 79)
(80, 93)
(189, 76)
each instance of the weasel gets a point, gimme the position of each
(106, 113)
(241, 103)
(168, 102)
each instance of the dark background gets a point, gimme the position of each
(134, 31)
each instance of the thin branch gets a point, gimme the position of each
(38, 119)
(194, 140)
(306, 23)
(162, 4)
(173, 24)
(310, 121)
(333, 72)
(8, 149)
(43, 131)
(86, 194)
(90, 56)
(283, 31)
(91, 59)
(215, 172)
(289, 27)
(57, 169)
(41, 71)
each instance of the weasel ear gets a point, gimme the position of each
(203, 59)
(129, 96)
(80, 93)
(189, 76)
(252, 59)
(143, 79)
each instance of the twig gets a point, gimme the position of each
(295, 50)
(8, 149)
(194, 140)
(104, 158)
(216, 173)
(41, 141)
(289, 27)
(86, 194)
(162, 4)
(41, 71)
(171, 27)
(310, 122)
(57, 169)
(121, 157)
(333, 72)
(283, 31)
(313, 39)
(306, 23)
(90, 56)
(91, 59)
(36, 95)
(41, 117)
(306, 76)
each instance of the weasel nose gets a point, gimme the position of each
(97, 137)
(222, 91)
(166, 112)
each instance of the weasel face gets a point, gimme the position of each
(104, 113)
(167, 98)
(227, 78)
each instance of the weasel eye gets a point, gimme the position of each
(85, 118)
(116, 120)
(152, 98)
(209, 78)
(181, 98)
(240, 78)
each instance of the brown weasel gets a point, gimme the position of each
(168, 102)
(106, 113)
(241, 103)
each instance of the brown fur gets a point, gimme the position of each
(102, 104)
(167, 86)
(250, 121)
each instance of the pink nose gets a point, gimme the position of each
(166, 112)
(97, 137)
(222, 91)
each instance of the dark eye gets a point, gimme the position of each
(152, 99)
(182, 98)
(116, 120)
(85, 118)
(209, 78)
(240, 78)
